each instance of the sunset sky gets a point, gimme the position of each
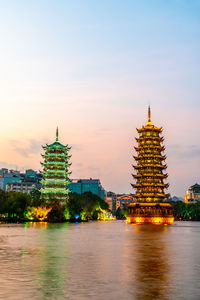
(92, 68)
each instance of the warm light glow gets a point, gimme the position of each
(105, 215)
(139, 220)
(40, 213)
(150, 220)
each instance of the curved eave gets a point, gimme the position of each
(151, 138)
(150, 175)
(148, 127)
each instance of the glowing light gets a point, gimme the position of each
(150, 220)
(40, 213)
(105, 215)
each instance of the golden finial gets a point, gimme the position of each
(57, 134)
(149, 114)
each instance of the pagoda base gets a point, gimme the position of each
(150, 213)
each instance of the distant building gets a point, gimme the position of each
(111, 200)
(123, 199)
(81, 186)
(193, 194)
(13, 180)
(8, 177)
(20, 186)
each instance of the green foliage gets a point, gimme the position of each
(186, 212)
(82, 207)
(36, 199)
(120, 213)
(67, 214)
(85, 206)
(34, 207)
(13, 203)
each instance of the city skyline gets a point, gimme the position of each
(92, 69)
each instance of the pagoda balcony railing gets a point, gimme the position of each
(156, 174)
(54, 196)
(149, 162)
(146, 185)
(58, 151)
(55, 168)
(53, 171)
(54, 190)
(142, 166)
(149, 144)
(150, 138)
(161, 148)
(56, 158)
(149, 156)
(149, 194)
(150, 214)
(53, 162)
(54, 154)
(55, 149)
(59, 165)
(55, 183)
(50, 180)
(54, 177)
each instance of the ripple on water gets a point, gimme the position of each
(100, 260)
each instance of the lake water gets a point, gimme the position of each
(100, 260)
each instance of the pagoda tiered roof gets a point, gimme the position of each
(55, 171)
(149, 177)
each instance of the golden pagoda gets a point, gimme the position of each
(150, 204)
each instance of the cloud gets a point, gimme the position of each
(183, 152)
(76, 147)
(77, 164)
(32, 146)
(6, 165)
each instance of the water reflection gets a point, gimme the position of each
(98, 260)
(151, 266)
(51, 265)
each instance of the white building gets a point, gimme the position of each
(193, 194)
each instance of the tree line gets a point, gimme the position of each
(186, 212)
(18, 206)
(31, 207)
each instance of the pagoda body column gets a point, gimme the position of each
(149, 199)
(55, 173)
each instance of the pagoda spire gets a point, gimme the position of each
(57, 134)
(149, 114)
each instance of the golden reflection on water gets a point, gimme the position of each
(149, 262)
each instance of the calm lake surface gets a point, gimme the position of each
(100, 260)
